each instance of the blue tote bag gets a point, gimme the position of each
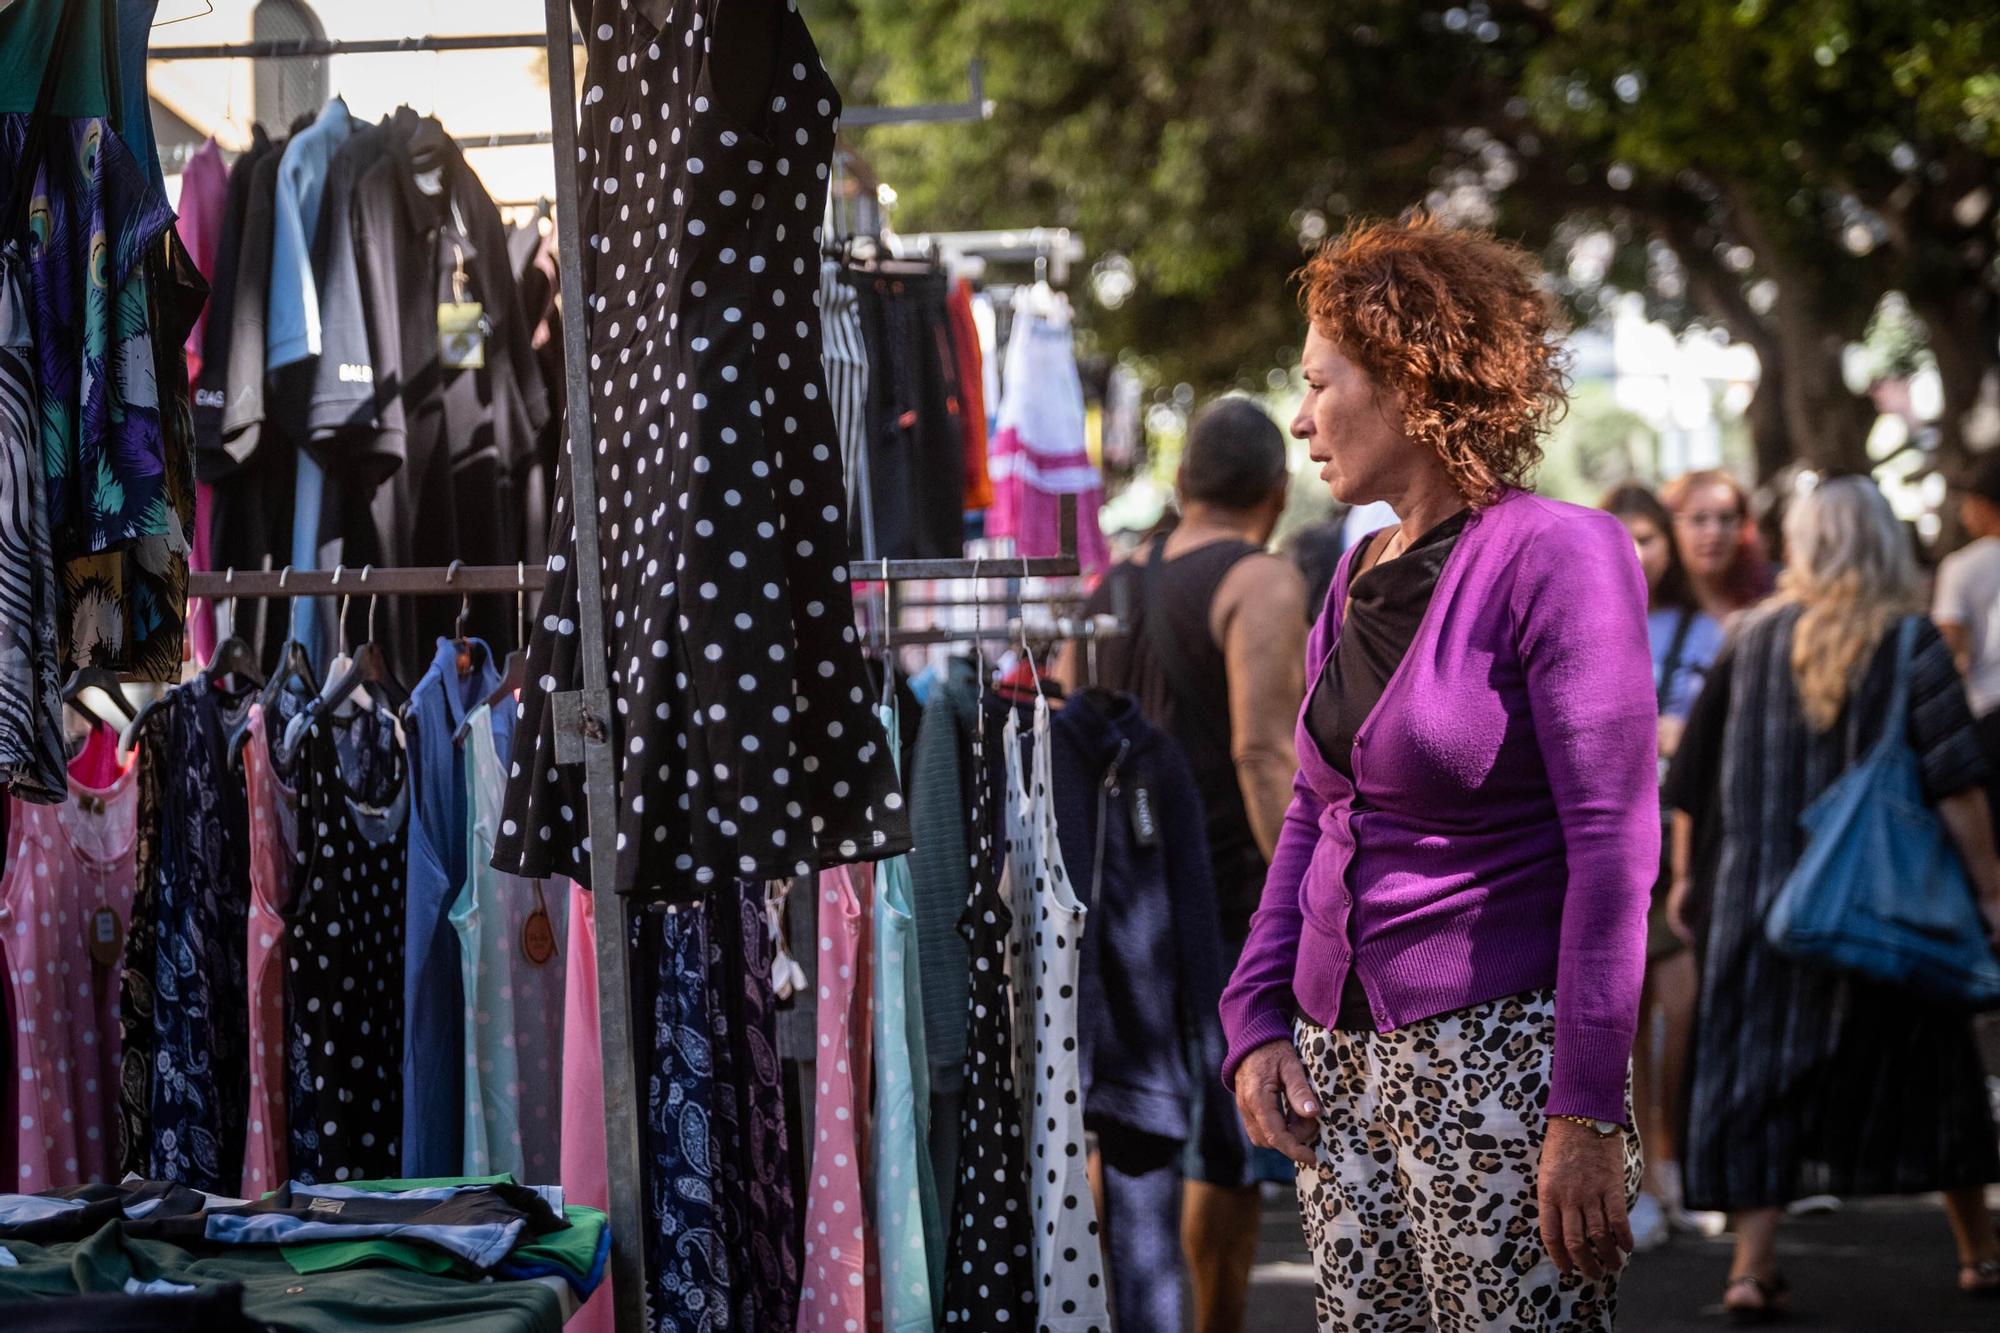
(1880, 890)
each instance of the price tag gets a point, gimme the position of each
(462, 334)
(107, 937)
(538, 933)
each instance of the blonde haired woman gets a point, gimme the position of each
(1806, 1080)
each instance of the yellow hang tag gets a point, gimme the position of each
(462, 334)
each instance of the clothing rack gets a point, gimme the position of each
(470, 580)
(1085, 629)
(581, 716)
(313, 48)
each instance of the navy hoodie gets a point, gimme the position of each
(1152, 960)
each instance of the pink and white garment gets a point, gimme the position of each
(586, 1177)
(1040, 451)
(68, 865)
(834, 1295)
(273, 844)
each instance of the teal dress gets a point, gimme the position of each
(514, 1004)
(909, 1228)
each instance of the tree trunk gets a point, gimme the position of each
(1962, 339)
(1770, 441)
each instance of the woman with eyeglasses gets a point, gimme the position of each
(1718, 542)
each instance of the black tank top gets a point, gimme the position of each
(1190, 703)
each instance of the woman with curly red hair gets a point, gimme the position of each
(1434, 1012)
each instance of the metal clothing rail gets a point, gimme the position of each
(309, 48)
(467, 580)
(1078, 629)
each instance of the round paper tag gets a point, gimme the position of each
(107, 937)
(538, 937)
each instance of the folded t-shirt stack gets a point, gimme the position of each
(465, 1230)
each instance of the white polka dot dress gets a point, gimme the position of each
(1069, 1266)
(740, 712)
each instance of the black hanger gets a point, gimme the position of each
(513, 675)
(294, 666)
(102, 678)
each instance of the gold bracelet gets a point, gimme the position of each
(1602, 1128)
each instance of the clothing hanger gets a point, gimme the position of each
(294, 666)
(98, 694)
(232, 659)
(514, 675)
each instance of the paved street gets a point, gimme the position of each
(1883, 1267)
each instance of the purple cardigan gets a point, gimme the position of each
(1509, 834)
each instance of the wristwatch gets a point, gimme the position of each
(1604, 1128)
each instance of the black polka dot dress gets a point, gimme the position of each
(746, 744)
(989, 1276)
(344, 954)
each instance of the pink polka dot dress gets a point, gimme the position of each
(834, 1296)
(273, 845)
(70, 871)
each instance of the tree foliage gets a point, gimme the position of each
(1771, 166)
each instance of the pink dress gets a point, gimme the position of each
(834, 1294)
(273, 839)
(70, 870)
(586, 1180)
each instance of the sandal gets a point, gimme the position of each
(1980, 1279)
(1773, 1299)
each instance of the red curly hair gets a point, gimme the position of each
(1457, 322)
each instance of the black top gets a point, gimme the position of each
(1385, 608)
(1386, 605)
(1188, 698)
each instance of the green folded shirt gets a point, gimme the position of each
(574, 1249)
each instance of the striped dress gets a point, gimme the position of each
(31, 739)
(1806, 1080)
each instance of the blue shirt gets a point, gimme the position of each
(291, 323)
(1698, 652)
(433, 980)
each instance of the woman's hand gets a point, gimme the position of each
(1581, 1191)
(1677, 905)
(1671, 730)
(1276, 1101)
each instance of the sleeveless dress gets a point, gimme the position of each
(834, 1292)
(344, 954)
(989, 1268)
(740, 712)
(1049, 924)
(65, 863)
(513, 1004)
(274, 840)
(909, 1231)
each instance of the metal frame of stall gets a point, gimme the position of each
(581, 715)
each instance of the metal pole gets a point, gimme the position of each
(614, 993)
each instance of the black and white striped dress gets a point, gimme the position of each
(31, 741)
(1809, 1081)
(845, 358)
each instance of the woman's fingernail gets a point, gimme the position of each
(1308, 1108)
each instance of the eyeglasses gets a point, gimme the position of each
(1710, 518)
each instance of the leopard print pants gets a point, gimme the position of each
(1421, 1210)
